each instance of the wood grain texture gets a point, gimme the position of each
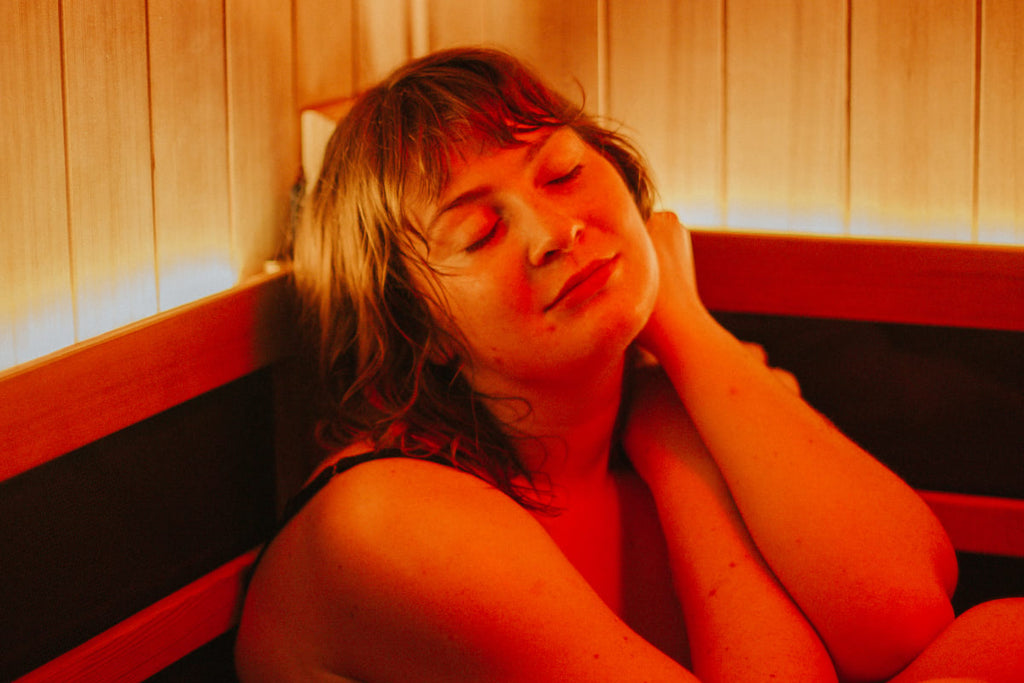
(785, 76)
(559, 39)
(325, 35)
(109, 156)
(382, 40)
(190, 154)
(263, 128)
(36, 313)
(64, 401)
(1001, 133)
(158, 636)
(912, 119)
(665, 85)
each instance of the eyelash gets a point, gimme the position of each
(482, 242)
(568, 177)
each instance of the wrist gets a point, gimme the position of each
(670, 326)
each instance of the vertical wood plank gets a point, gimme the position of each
(559, 39)
(1001, 134)
(785, 121)
(665, 85)
(109, 178)
(911, 119)
(36, 315)
(382, 39)
(324, 51)
(263, 126)
(190, 155)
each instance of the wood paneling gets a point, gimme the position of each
(263, 126)
(912, 119)
(130, 195)
(857, 279)
(103, 385)
(324, 51)
(110, 529)
(108, 159)
(36, 314)
(190, 152)
(1001, 134)
(785, 82)
(559, 39)
(383, 39)
(158, 636)
(155, 150)
(665, 85)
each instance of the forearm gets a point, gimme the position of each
(831, 521)
(740, 622)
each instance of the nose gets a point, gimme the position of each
(554, 233)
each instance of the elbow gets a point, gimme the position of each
(881, 642)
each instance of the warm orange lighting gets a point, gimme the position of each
(193, 279)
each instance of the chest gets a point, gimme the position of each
(614, 539)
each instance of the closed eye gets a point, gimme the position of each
(568, 177)
(483, 241)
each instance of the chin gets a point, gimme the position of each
(620, 332)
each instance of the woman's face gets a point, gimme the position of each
(543, 259)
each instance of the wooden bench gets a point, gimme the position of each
(69, 410)
(94, 392)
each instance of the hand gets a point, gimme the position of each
(787, 378)
(677, 289)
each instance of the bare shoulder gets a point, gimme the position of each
(408, 570)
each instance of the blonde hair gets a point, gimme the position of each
(355, 251)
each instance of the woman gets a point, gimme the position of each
(514, 495)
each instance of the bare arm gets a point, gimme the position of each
(741, 623)
(857, 549)
(430, 574)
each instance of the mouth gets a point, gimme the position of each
(584, 282)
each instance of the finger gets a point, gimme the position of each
(757, 351)
(788, 379)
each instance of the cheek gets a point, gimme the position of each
(645, 271)
(489, 304)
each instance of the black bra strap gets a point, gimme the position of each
(307, 492)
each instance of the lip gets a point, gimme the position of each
(585, 282)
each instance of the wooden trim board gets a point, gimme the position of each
(158, 636)
(980, 524)
(913, 283)
(70, 398)
(189, 618)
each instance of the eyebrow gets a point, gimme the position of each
(469, 196)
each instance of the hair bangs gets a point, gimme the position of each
(440, 111)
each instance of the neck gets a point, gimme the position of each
(567, 426)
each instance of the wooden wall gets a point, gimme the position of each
(148, 151)
(150, 145)
(897, 119)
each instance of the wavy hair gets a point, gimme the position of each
(380, 344)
